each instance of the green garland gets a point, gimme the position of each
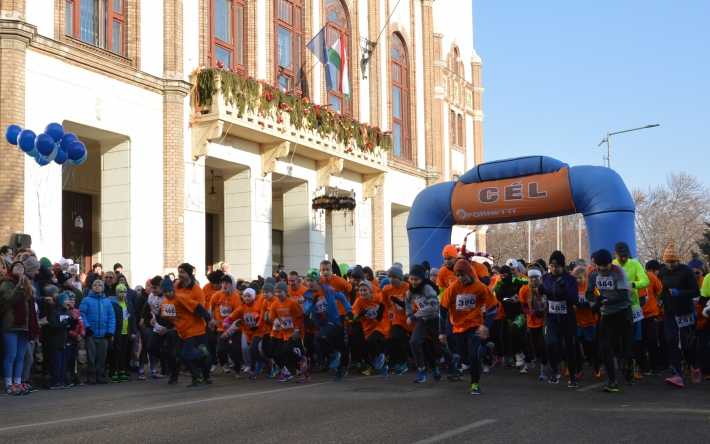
(266, 100)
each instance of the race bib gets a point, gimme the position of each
(638, 314)
(321, 306)
(605, 282)
(169, 310)
(465, 301)
(225, 310)
(557, 307)
(540, 305)
(300, 300)
(391, 316)
(582, 297)
(276, 326)
(126, 315)
(421, 303)
(249, 319)
(286, 323)
(371, 313)
(685, 320)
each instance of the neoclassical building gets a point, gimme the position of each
(198, 116)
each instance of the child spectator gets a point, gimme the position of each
(123, 335)
(100, 323)
(75, 336)
(60, 322)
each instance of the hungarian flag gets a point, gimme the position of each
(339, 58)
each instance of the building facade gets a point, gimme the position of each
(189, 158)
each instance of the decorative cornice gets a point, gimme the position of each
(16, 34)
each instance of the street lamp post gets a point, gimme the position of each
(608, 140)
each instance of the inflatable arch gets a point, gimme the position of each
(522, 189)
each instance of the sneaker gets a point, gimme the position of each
(23, 390)
(259, 368)
(384, 369)
(252, 375)
(173, 381)
(238, 374)
(114, 379)
(225, 369)
(519, 360)
(509, 362)
(91, 380)
(285, 376)
(612, 387)
(638, 375)
(421, 377)
(436, 374)
(67, 383)
(629, 373)
(367, 371)
(697, 376)
(342, 372)
(597, 373)
(675, 381)
(334, 362)
(32, 388)
(208, 381)
(455, 377)
(156, 375)
(123, 377)
(304, 378)
(500, 361)
(579, 374)
(196, 382)
(554, 378)
(303, 367)
(527, 367)
(141, 376)
(246, 369)
(274, 371)
(401, 368)
(572, 384)
(475, 390)
(486, 368)
(214, 368)
(379, 361)
(55, 386)
(543, 373)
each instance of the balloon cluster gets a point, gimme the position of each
(51, 145)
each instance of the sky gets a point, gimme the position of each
(559, 75)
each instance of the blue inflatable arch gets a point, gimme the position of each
(598, 193)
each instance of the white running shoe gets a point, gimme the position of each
(225, 369)
(486, 368)
(519, 360)
(527, 368)
(213, 369)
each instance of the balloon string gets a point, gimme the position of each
(71, 173)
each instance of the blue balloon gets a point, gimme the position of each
(61, 157)
(40, 161)
(79, 161)
(26, 140)
(67, 139)
(11, 134)
(33, 153)
(44, 144)
(51, 155)
(76, 150)
(55, 130)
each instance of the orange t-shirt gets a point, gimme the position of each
(585, 317)
(397, 314)
(524, 297)
(466, 304)
(275, 327)
(290, 316)
(297, 295)
(179, 310)
(194, 292)
(223, 305)
(341, 285)
(369, 321)
(248, 316)
(650, 308)
(446, 277)
(479, 269)
(208, 291)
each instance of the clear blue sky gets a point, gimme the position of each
(559, 75)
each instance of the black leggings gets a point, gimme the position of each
(537, 341)
(397, 345)
(616, 329)
(256, 354)
(374, 345)
(567, 332)
(288, 354)
(646, 350)
(275, 348)
(230, 348)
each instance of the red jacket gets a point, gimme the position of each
(79, 332)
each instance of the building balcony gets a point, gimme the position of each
(226, 103)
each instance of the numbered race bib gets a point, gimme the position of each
(371, 313)
(540, 305)
(225, 310)
(126, 315)
(582, 297)
(169, 310)
(638, 314)
(465, 301)
(605, 282)
(286, 323)
(321, 306)
(421, 303)
(249, 319)
(557, 307)
(391, 316)
(277, 325)
(685, 320)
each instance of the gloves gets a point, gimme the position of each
(583, 304)
(361, 314)
(674, 292)
(108, 336)
(355, 318)
(295, 336)
(539, 313)
(706, 311)
(253, 328)
(560, 282)
(350, 315)
(89, 332)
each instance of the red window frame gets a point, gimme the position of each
(289, 15)
(333, 32)
(237, 10)
(399, 75)
(105, 28)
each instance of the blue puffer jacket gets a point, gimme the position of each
(328, 304)
(97, 314)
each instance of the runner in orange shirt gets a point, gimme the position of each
(188, 317)
(209, 290)
(369, 313)
(356, 339)
(187, 285)
(534, 307)
(648, 354)
(290, 315)
(248, 316)
(225, 302)
(395, 292)
(296, 290)
(339, 284)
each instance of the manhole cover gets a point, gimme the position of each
(381, 390)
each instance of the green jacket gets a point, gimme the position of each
(10, 294)
(637, 275)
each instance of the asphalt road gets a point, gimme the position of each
(512, 408)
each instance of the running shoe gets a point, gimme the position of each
(55, 386)
(259, 367)
(285, 375)
(401, 368)
(572, 384)
(528, 367)
(225, 369)
(67, 383)
(543, 373)
(252, 375)
(509, 362)
(303, 367)
(638, 375)
(455, 377)
(500, 361)
(675, 381)
(367, 371)
(141, 376)
(597, 373)
(334, 362)
(214, 368)
(380, 361)
(554, 378)
(421, 377)
(436, 374)
(611, 387)
(304, 378)
(123, 377)
(519, 360)
(274, 371)
(114, 379)
(32, 388)
(486, 368)
(383, 371)
(342, 372)
(697, 376)
(23, 391)
(475, 390)
(156, 375)
(196, 382)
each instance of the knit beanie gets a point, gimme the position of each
(31, 264)
(103, 286)
(281, 286)
(49, 290)
(314, 274)
(395, 272)
(465, 266)
(450, 250)
(187, 268)
(268, 287)
(254, 285)
(121, 288)
(695, 263)
(653, 265)
(46, 262)
(250, 291)
(63, 276)
(602, 257)
(270, 280)
(167, 284)
(557, 258)
(671, 253)
(367, 284)
(417, 271)
(358, 273)
(61, 298)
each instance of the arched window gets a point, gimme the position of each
(227, 34)
(455, 62)
(400, 98)
(288, 18)
(338, 25)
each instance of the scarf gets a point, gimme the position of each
(420, 288)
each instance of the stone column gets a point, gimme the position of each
(303, 246)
